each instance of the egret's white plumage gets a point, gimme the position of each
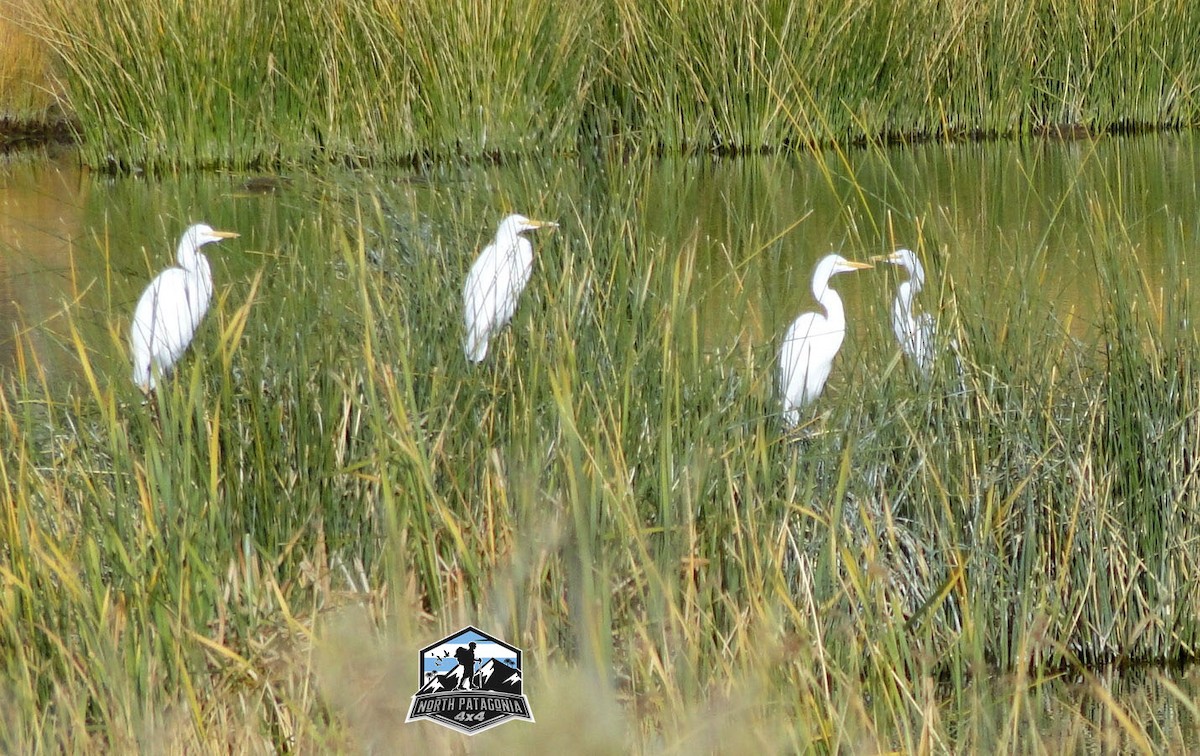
(172, 307)
(496, 281)
(813, 340)
(915, 333)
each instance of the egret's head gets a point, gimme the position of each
(201, 234)
(517, 223)
(906, 259)
(196, 237)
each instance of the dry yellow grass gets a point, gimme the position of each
(26, 83)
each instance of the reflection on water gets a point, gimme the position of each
(41, 211)
(991, 217)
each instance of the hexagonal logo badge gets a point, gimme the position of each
(470, 682)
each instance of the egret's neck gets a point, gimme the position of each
(508, 239)
(904, 299)
(916, 279)
(189, 258)
(195, 264)
(829, 299)
(517, 249)
(903, 323)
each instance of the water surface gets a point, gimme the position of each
(989, 218)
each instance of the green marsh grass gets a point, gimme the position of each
(206, 83)
(326, 484)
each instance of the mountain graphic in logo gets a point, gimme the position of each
(470, 681)
(498, 676)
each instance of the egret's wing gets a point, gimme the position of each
(491, 291)
(900, 326)
(479, 289)
(163, 323)
(926, 327)
(923, 338)
(794, 354)
(512, 275)
(483, 301)
(163, 318)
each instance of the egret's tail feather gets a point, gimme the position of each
(475, 347)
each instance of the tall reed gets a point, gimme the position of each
(168, 86)
(27, 90)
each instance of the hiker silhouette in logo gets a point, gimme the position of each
(466, 658)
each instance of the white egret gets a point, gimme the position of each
(813, 340)
(495, 282)
(172, 306)
(915, 334)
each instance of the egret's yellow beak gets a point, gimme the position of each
(225, 234)
(542, 223)
(858, 265)
(884, 258)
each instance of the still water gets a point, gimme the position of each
(76, 247)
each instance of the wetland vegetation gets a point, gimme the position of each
(325, 484)
(164, 84)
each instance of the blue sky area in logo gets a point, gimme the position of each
(441, 658)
